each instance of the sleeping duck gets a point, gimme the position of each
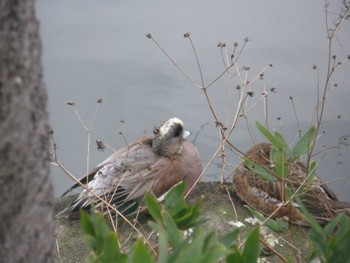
(151, 164)
(267, 196)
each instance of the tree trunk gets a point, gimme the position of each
(26, 221)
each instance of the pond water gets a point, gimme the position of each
(99, 49)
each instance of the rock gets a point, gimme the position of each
(220, 207)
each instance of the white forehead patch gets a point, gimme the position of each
(164, 129)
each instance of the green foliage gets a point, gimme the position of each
(331, 243)
(260, 170)
(178, 227)
(303, 145)
(102, 243)
(276, 225)
(281, 155)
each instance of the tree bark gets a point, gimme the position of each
(26, 220)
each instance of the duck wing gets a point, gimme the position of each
(116, 178)
(122, 153)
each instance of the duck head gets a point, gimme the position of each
(168, 138)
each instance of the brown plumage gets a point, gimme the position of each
(150, 164)
(268, 197)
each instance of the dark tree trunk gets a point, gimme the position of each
(26, 222)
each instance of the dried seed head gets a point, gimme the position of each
(156, 130)
(264, 93)
(250, 93)
(149, 35)
(334, 57)
(187, 34)
(122, 121)
(314, 66)
(290, 97)
(273, 89)
(100, 145)
(70, 103)
(246, 68)
(99, 100)
(238, 87)
(270, 65)
(348, 56)
(279, 118)
(235, 44)
(335, 85)
(339, 116)
(51, 131)
(246, 39)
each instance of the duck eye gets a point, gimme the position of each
(178, 130)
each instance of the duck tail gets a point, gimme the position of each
(68, 212)
(340, 207)
(72, 211)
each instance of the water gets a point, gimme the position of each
(99, 49)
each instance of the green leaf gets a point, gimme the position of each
(288, 193)
(202, 247)
(251, 249)
(111, 251)
(162, 246)
(317, 235)
(309, 217)
(276, 225)
(329, 228)
(175, 236)
(154, 207)
(95, 230)
(173, 200)
(139, 253)
(234, 257)
(280, 162)
(311, 173)
(305, 143)
(285, 148)
(259, 170)
(189, 217)
(341, 251)
(230, 239)
(86, 223)
(268, 135)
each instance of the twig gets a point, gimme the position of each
(175, 64)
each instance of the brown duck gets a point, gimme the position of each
(268, 198)
(151, 164)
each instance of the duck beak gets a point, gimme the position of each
(186, 134)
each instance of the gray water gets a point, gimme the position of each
(99, 49)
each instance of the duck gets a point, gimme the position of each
(267, 196)
(150, 164)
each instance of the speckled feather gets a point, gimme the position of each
(266, 196)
